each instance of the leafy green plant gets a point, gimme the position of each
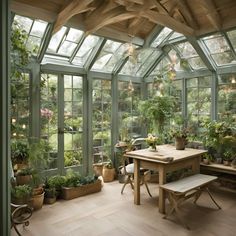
(21, 191)
(157, 111)
(26, 171)
(19, 151)
(56, 181)
(50, 192)
(108, 164)
(72, 178)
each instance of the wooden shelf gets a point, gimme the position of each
(219, 168)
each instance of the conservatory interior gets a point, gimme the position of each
(96, 96)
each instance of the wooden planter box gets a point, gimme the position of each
(74, 192)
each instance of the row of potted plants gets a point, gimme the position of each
(66, 187)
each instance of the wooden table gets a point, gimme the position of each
(165, 159)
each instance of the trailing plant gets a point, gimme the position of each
(157, 111)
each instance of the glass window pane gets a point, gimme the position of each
(164, 33)
(74, 35)
(38, 28)
(67, 48)
(56, 40)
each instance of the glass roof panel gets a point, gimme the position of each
(162, 67)
(85, 50)
(232, 36)
(74, 35)
(189, 56)
(56, 40)
(35, 30)
(147, 61)
(219, 49)
(110, 54)
(186, 50)
(161, 37)
(24, 22)
(67, 48)
(38, 28)
(176, 35)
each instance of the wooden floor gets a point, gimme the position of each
(110, 213)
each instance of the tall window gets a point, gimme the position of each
(198, 101)
(73, 120)
(49, 115)
(226, 98)
(101, 120)
(129, 119)
(20, 105)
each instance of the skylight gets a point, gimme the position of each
(161, 37)
(219, 49)
(35, 30)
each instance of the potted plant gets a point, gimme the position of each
(207, 158)
(19, 153)
(24, 176)
(21, 194)
(108, 172)
(50, 194)
(227, 157)
(76, 185)
(180, 134)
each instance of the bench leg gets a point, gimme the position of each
(175, 201)
(207, 189)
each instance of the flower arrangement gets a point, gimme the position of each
(152, 141)
(179, 132)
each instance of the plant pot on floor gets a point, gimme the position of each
(69, 193)
(23, 179)
(97, 168)
(108, 174)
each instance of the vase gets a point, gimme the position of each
(152, 148)
(180, 143)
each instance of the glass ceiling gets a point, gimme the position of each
(72, 46)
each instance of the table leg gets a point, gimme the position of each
(136, 182)
(196, 165)
(162, 180)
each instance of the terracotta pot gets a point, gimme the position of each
(49, 200)
(97, 168)
(180, 143)
(37, 201)
(23, 179)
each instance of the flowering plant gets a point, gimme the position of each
(151, 140)
(179, 132)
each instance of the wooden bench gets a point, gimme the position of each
(183, 189)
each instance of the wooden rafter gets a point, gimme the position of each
(212, 13)
(135, 25)
(187, 13)
(168, 21)
(108, 20)
(72, 8)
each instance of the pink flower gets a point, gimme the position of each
(46, 113)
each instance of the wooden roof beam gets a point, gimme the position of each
(187, 13)
(169, 22)
(212, 13)
(72, 8)
(108, 19)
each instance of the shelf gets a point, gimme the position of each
(219, 168)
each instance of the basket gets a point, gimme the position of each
(74, 192)
(108, 174)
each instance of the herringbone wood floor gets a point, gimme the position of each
(110, 213)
